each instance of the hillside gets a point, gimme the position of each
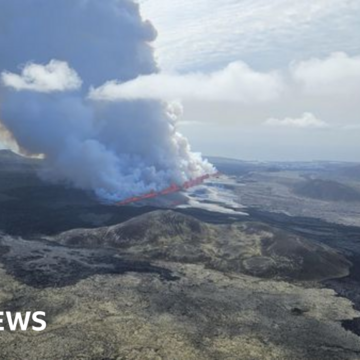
(248, 247)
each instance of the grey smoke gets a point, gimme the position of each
(53, 52)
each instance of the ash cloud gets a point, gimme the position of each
(53, 52)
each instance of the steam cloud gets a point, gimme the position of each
(307, 120)
(53, 53)
(236, 83)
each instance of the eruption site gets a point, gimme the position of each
(53, 54)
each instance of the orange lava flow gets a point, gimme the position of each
(173, 188)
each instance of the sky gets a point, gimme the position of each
(257, 80)
(247, 79)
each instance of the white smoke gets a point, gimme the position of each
(236, 83)
(55, 76)
(50, 59)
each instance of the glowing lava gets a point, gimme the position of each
(173, 188)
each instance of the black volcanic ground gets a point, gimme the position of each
(150, 283)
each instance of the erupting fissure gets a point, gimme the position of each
(173, 188)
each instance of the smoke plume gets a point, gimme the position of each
(53, 53)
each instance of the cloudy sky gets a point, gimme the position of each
(261, 80)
